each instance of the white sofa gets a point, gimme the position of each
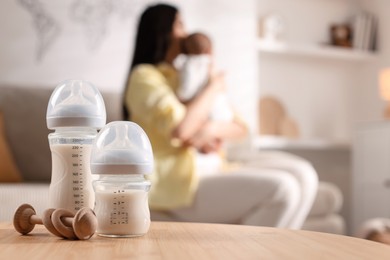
(24, 111)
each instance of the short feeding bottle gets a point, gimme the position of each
(122, 156)
(76, 111)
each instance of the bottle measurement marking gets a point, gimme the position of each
(118, 214)
(77, 174)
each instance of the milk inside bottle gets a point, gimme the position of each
(121, 157)
(75, 111)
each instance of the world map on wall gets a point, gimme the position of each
(92, 15)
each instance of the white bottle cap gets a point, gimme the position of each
(76, 103)
(122, 147)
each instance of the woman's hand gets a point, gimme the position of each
(206, 140)
(217, 81)
(211, 147)
(211, 135)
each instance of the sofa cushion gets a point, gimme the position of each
(15, 194)
(9, 172)
(25, 126)
(332, 223)
(328, 200)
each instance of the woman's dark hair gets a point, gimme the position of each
(152, 39)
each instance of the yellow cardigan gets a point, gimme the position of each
(155, 107)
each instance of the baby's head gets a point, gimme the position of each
(197, 43)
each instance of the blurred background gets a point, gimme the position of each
(318, 63)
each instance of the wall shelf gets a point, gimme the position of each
(281, 143)
(315, 51)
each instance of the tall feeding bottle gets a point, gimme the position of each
(76, 111)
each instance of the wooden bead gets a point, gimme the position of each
(22, 217)
(85, 223)
(58, 223)
(47, 222)
(80, 226)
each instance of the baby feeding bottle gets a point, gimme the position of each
(76, 111)
(122, 156)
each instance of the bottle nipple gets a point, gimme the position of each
(76, 96)
(122, 145)
(76, 103)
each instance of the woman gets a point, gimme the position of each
(247, 195)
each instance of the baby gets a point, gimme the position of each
(194, 71)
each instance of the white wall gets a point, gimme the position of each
(65, 41)
(69, 51)
(317, 92)
(307, 21)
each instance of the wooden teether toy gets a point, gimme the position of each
(80, 226)
(59, 222)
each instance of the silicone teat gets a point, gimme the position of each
(121, 140)
(76, 103)
(76, 96)
(122, 148)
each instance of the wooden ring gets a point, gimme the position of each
(47, 222)
(84, 223)
(22, 217)
(65, 231)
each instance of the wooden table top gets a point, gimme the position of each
(170, 240)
